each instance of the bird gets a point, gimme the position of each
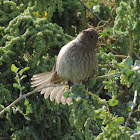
(75, 63)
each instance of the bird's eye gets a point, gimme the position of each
(91, 36)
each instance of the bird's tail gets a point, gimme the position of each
(42, 80)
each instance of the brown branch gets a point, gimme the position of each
(135, 134)
(53, 85)
(132, 108)
(121, 56)
(103, 84)
(102, 21)
(27, 94)
(100, 77)
(136, 55)
(105, 65)
(90, 10)
(131, 42)
(90, 93)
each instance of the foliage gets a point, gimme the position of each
(30, 37)
(125, 19)
(72, 21)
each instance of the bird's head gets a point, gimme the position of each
(90, 37)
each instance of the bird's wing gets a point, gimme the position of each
(42, 80)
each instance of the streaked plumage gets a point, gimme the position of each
(76, 62)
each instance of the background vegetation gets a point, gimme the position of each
(31, 35)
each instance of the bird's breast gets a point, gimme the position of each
(75, 63)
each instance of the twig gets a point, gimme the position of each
(132, 107)
(121, 56)
(103, 76)
(90, 10)
(101, 99)
(105, 65)
(136, 55)
(101, 87)
(19, 83)
(102, 84)
(135, 134)
(102, 21)
(27, 94)
(131, 42)
(30, 93)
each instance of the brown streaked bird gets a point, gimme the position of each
(75, 63)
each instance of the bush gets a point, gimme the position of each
(30, 38)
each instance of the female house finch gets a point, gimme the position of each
(75, 63)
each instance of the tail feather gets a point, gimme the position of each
(40, 87)
(43, 90)
(48, 91)
(36, 80)
(59, 95)
(54, 93)
(69, 100)
(40, 75)
(63, 99)
(56, 79)
(40, 81)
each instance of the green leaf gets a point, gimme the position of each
(131, 103)
(137, 65)
(117, 74)
(105, 82)
(26, 102)
(27, 118)
(104, 34)
(14, 68)
(138, 108)
(113, 102)
(116, 122)
(7, 109)
(66, 94)
(109, 94)
(72, 95)
(113, 71)
(24, 76)
(109, 29)
(22, 70)
(129, 72)
(1, 106)
(15, 85)
(128, 62)
(16, 79)
(90, 83)
(29, 109)
(129, 109)
(22, 87)
(119, 121)
(99, 100)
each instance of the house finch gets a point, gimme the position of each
(75, 63)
